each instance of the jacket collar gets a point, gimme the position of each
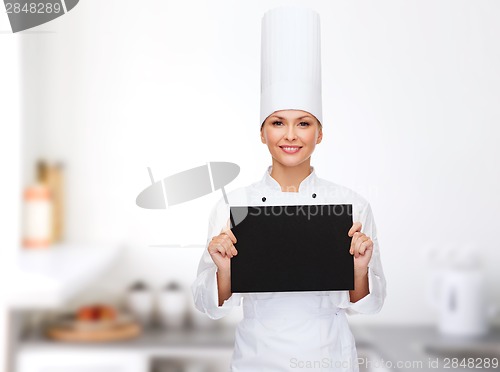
(307, 183)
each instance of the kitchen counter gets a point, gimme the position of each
(154, 341)
(408, 348)
(390, 348)
(142, 354)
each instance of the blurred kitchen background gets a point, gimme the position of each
(90, 100)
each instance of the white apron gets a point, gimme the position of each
(291, 331)
(298, 332)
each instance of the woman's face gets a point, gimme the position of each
(291, 136)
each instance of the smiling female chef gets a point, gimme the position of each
(290, 331)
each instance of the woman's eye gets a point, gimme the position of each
(302, 124)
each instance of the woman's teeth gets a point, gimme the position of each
(291, 150)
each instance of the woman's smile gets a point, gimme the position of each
(291, 149)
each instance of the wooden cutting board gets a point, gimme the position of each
(119, 332)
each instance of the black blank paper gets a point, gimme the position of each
(292, 248)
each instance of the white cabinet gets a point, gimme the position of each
(81, 361)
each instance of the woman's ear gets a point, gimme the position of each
(262, 138)
(320, 136)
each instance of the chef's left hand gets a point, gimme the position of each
(361, 248)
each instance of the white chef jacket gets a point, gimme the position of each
(290, 331)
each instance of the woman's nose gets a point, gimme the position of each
(290, 133)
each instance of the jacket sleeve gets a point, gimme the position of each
(204, 288)
(372, 302)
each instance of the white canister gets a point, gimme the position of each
(140, 303)
(173, 306)
(459, 296)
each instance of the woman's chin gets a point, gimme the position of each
(289, 162)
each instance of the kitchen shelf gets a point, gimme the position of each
(47, 278)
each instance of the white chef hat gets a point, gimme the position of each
(290, 61)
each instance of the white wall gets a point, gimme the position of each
(10, 187)
(410, 95)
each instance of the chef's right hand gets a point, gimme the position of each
(221, 249)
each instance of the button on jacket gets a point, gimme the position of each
(290, 331)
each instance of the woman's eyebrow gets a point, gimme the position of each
(302, 117)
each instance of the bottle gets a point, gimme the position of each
(54, 181)
(37, 213)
